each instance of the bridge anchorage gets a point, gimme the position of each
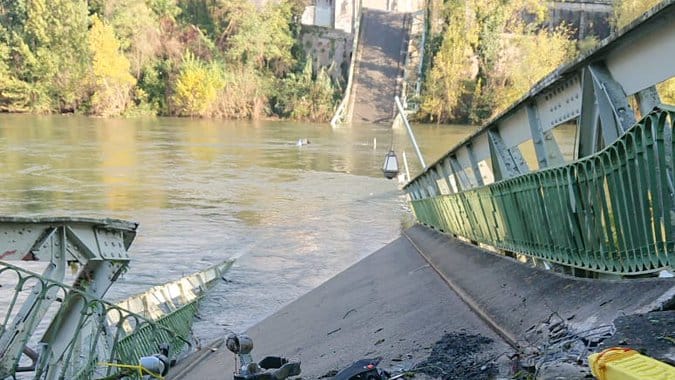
(607, 211)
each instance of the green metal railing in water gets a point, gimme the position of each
(107, 334)
(612, 212)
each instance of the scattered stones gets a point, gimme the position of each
(563, 351)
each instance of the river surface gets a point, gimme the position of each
(203, 191)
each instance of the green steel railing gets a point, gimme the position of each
(174, 328)
(611, 212)
(106, 333)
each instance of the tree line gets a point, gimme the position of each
(485, 54)
(236, 59)
(202, 58)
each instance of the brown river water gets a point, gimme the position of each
(203, 191)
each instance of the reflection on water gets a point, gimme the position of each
(204, 191)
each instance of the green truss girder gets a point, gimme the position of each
(611, 212)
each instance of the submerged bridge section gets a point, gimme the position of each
(378, 65)
(611, 207)
(52, 330)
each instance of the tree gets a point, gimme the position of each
(488, 57)
(164, 9)
(245, 94)
(523, 64)
(264, 39)
(173, 57)
(451, 72)
(14, 93)
(49, 51)
(137, 29)
(306, 96)
(113, 82)
(625, 11)
(197, 86)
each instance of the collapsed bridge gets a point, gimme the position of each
(606, 210)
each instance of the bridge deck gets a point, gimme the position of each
(390, 304)
(380, 60)
(519, 297)
(393, 303)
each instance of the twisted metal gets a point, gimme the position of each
(612, 212)
(106, 333)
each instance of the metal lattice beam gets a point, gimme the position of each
(98, 246)
(545, 145)
(648, 99)
(506, 162)
(609, 212)
(616, 115)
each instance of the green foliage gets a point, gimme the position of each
(137, 29)
(203, 58)
(448, 80)
(489, 57)
(264, 39)
(48, 53)
(198, 13)
(245, 95)
(141, 106)
(152, 87)
(112, 81)
(13, 92)
(61, 50)
(167, 9)
(13, 14)
(625, 11)
(523, 65)
(197, 87)
(306, 96)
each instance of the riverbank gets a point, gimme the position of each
(398, 304)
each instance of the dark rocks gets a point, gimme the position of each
(652, 334)
(459, 356)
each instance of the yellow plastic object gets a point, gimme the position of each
(619, 363)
